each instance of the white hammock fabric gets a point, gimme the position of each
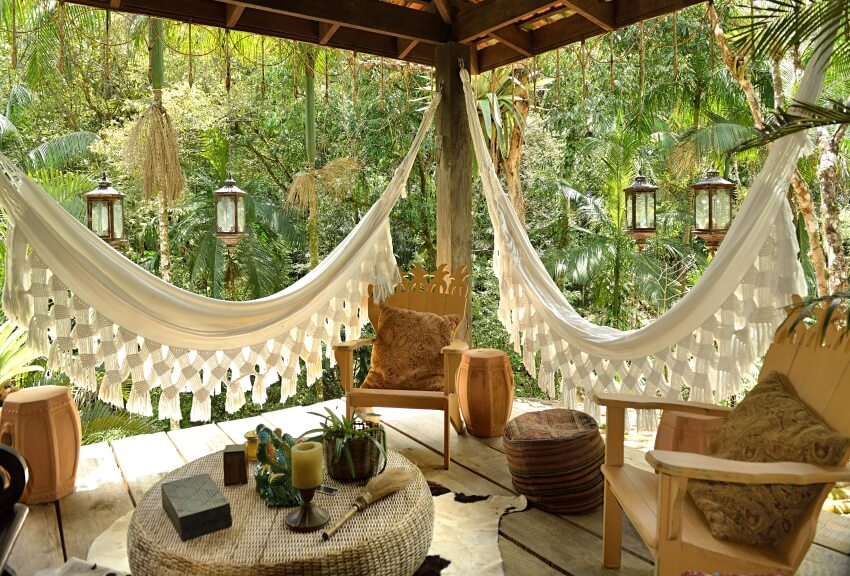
(85, 305)
(706, 341)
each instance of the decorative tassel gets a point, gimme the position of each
(110, 390)
(201, 407)
(235, 398)
(169, 404)
(140, 399)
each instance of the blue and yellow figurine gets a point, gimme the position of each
(273, 475)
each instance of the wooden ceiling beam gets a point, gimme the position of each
(114, 4)
(515, 38)
(600, 13)
(367, 15)
(633, 11)
(233, 13)
(326, 32)
(490, 16)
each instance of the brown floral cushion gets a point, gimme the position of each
(406, 354)
(769, 425)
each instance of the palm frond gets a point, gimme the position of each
(61, 151)
(799, 117)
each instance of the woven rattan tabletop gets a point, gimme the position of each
(390, 538)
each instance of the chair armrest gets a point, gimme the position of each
(456, 347)
(352, 344)
(701, 467)
(647, 402)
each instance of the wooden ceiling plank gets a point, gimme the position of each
(368, 15)
(490, 16)
(600, 13)
(512, 36)
(443, 10)
(404, 47)
(630, 12)
(234, 12)
(326, 32)
(114, 4)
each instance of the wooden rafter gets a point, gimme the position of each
(443, 10)
(367, 15)
(114, 4)
(494, 15)
(600, 13)
(404, 47)
(515, 38)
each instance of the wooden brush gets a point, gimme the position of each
(378, 487)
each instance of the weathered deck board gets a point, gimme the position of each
(39, 545)
(144, 460)
(236, 429)
(100, 498)
(193, 443)
(296, 421)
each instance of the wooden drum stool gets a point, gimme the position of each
(43, 425)
(485, 391)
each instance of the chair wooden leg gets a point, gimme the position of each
(612, 529)
(446, 440)
(454, 415)
(349, 409)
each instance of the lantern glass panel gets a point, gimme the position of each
(629, 223)
(701, 210)
(226, 214)
(644, 216)
(240, 214)
(100, 217)
(721, 210)
(118, 219)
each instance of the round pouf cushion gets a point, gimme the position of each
(554, 457)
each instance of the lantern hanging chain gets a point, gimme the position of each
(611, 61)
(675, 46)
(711, 62)
(294, 61)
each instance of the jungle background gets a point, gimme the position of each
(314, 135)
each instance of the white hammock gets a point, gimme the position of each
(85, 304)
(706, 341)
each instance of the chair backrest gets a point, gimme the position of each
(817, 365)
(437, 292)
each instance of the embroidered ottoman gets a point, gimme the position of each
(554, 457)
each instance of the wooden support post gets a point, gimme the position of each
(454, 169)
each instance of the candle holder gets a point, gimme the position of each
(308, 517)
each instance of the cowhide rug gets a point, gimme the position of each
(466, 539)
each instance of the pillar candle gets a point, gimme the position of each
(306, 465)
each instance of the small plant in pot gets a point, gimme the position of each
(354, 449)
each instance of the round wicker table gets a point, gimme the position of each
(390, 537)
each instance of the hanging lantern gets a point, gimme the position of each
(230, 213)
(712, 207)
(105, 209)
(640, 209)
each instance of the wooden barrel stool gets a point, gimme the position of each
(43, 425)
(485, 391)
(554, 457)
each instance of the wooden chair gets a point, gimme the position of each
(423, 291)
(665, 517)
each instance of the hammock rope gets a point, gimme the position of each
(85, 305)
(705, 341)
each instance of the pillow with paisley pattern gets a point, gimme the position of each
(406, 354)
(771, 424)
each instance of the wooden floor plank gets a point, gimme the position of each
(198, 441)
(569, 547)
(297, 420)
(144, 460)
(820, 561)
(518, 562)
(39, 545)
(100, 498)
(235, 429)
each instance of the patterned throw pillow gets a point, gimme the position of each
(406, 354)
(769, 425)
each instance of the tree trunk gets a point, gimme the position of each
(514, 158)
(164, 248)
(829, 178)
(737, 66)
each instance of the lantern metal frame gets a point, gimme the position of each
(640, 186)
(713, 184)
(112, 197)
(237, 196)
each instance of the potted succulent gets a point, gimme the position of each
(354, 449)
